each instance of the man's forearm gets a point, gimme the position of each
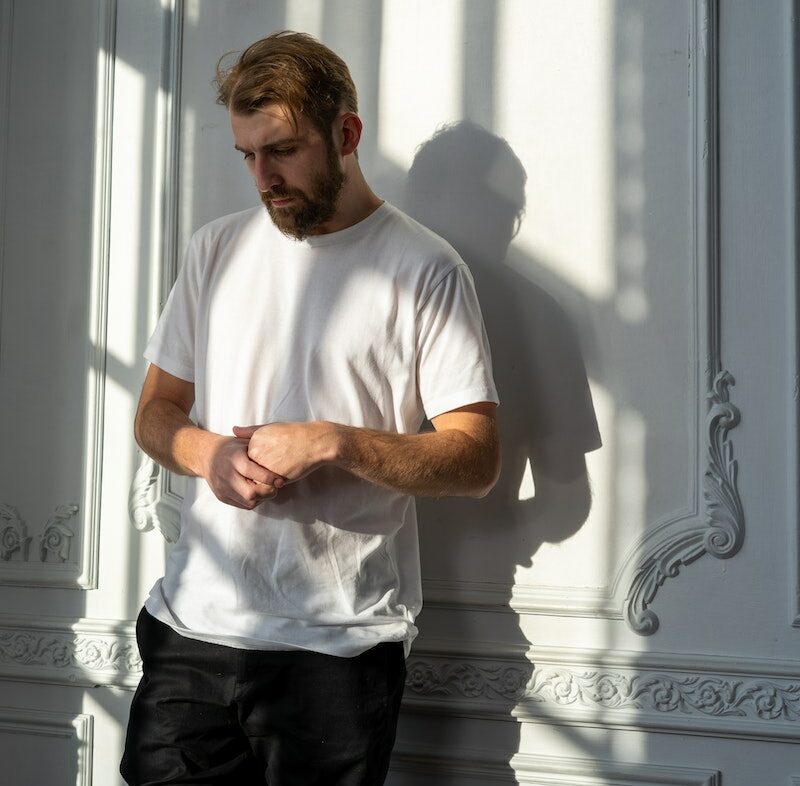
(431, 464)
(461, 457)
(166, 434)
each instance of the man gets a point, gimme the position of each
(312, 339)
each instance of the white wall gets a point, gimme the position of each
(621, 178)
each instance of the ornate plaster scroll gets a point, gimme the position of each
(722, 533)
(65, 651)
(13, 534)
(54, 541)
(697, 695)
(755, 699)
(69, 652)
(148, 507)
(57, 537)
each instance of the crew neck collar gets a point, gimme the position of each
(352, 232)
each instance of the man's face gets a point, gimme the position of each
(296, 170)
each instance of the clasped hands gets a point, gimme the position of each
(257, 461)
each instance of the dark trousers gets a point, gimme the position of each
(209, 714)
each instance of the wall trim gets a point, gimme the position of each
(521, 599)
(55, 724)
(793, 289)
(6, 52)
(712, 695)
(721, 534)
(82, 652)
(32, 567)
(98, 322)
(152, 503)
(675, 693)
(531, 770)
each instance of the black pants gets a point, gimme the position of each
(209, 714)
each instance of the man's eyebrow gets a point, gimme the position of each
(272, 145)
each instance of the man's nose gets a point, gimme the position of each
(266, 175)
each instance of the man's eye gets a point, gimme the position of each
(284, 151)
(247, 156)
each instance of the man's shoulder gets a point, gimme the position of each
(421, 245)
(418, 233)
(230, 225)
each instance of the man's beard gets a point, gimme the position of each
(308, 212)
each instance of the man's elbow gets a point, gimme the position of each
(138, 424)
(488, 475)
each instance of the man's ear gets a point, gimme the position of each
(351, 126)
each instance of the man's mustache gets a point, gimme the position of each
(281, 192)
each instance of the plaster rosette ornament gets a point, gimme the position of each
(721, 535)
(14, 536)
(56, 540)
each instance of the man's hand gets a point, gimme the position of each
(234, 478)
(165, 432)
(290, 450)
(461, 457)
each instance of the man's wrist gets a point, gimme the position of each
(333, 446)
(206, 445)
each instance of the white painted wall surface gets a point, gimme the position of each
(620, 176)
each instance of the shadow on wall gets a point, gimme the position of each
(468, 185)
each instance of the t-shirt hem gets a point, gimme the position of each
(170, 365)
(347, 647)
(461, 398)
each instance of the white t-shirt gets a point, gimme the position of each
(376, 325)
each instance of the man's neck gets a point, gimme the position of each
(356, 201)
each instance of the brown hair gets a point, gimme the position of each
(292, 69)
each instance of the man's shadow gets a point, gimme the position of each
(468, 186)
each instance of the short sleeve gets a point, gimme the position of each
(172, 345)
(454, 366)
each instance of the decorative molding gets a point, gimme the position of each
(151, 504)
(707, 695)
(69, 652)
(482, 766)
(143, 495)
(792, 28)
(6, 52)
(722, 534)
(521, 598)
(14, 534)
(610, 690)
(84, 652)
(55, 724)
(711, 695)
(57, 537)
(172, 75)
(724, 514)
(98, 317)
(653, 692)
(52, 565)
